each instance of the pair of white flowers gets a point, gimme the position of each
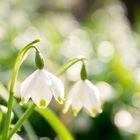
(41, 86)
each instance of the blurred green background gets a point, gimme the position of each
(106, 32)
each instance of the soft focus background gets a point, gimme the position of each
(106, 32)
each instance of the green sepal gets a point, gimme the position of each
(83, 72)
(39, 60)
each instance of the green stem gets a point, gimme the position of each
(12, 84)
(18, 111)
(19, 61)
(27, 126)
(56, 124)
(68, 65)
(21, 120)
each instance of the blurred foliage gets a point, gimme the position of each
(98, 30)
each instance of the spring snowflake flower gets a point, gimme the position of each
(84, 94)
(40, 86)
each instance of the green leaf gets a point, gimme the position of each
(55, 123)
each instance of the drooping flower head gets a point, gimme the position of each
(40, 86)
(84, 95)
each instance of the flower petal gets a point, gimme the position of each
(57, 87)
(76, 106)
(67, 105)
(37, 86)
(26, 85)
(73, 98)
(91, 100)
(24, 99)
(41, 92)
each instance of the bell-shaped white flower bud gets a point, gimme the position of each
(84, 94)
(40, 86)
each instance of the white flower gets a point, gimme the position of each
(16, 137)
(84, 94)
(40, 86)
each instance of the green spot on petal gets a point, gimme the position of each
(60, 100)
(42, 103)
(22, 101)
(75, 112)
(93, 112)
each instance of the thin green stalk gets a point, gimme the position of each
(12, 84)
(21, 120)
(68, 65)
(8, 117)
(18, 62)
(18, 111)
(28, 128)
(55, 123)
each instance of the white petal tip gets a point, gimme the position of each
(100, 110)
(93, 112)
(75, 112)
(42, 107)
(23, 101)
(64, 111)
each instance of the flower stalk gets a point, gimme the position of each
(69, 64)
(17, 64)
(21, 120)
(27, 126)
